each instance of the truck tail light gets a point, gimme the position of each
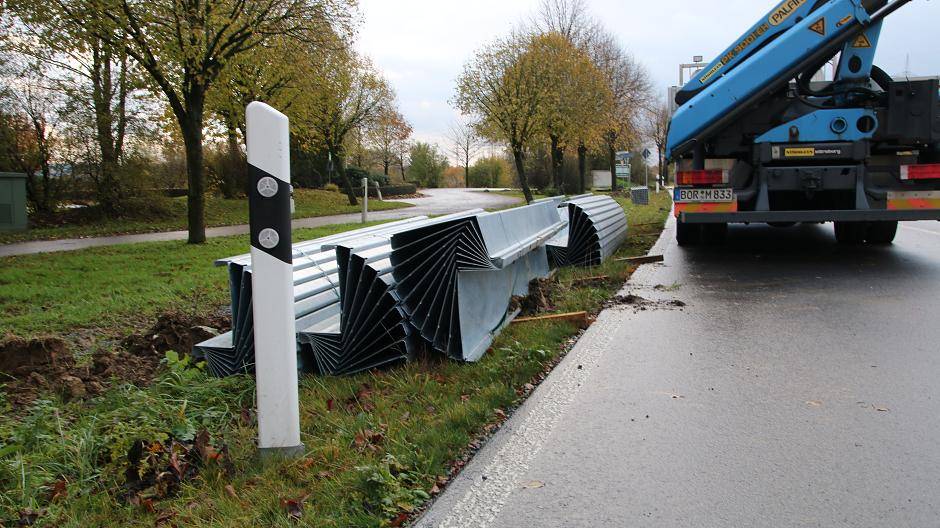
(702, 177)
(920, 172)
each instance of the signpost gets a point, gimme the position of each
(646, 165)
(272, 281)
(623, 166)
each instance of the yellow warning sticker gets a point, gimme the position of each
(784, 11)
(861, 42)
(819, 26)
(807, 152)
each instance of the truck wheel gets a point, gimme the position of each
(882, 232)
(715, 234)
(851, 233)
(688, 234)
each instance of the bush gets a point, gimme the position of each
(427, 165)
(332, 187)
(550, 191)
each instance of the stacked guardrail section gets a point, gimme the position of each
(372, 297)
(596, 227)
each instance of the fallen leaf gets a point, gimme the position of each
(294, 507)
(435, 490)
(501, 414)
(28, 517)
(230, 490)
(534, 484)
(399, 520)
(58, 490)
(329, 404)
(882, 409)
(814, 403)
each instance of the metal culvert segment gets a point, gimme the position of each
(456, 275)
(316, 298)
(597, 226)
(371, 331)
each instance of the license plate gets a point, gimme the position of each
(703, 195)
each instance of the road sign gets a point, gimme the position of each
(647, 154)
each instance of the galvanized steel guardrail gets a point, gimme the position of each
(372, 297)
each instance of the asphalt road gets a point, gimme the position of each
(799, 386)
(434, 202)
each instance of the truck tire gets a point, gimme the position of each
(882, 232)
(714, 234)
(851, 233)
(688, 234)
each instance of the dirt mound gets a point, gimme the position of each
(30, 367)
(539, 299)
(641, 304)
(20, 357)
(35, 366)
(175, 331)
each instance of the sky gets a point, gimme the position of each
(421, 45)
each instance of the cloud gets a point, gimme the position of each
(422, 45)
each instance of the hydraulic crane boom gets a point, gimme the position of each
(758, 141)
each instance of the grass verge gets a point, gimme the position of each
(379, 445)
(308, 203)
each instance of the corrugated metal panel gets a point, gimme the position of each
(597, 226)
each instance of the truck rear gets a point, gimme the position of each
(756, 140)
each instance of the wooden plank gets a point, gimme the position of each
(575, 317)
(648, 259)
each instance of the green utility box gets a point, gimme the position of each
(12, 201)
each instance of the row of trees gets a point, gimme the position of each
(101, 84)
(561, 80)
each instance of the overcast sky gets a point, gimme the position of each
(421, 45)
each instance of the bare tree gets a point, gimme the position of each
(657, 131)
(466, 144)
(631, 88)
(571, 19)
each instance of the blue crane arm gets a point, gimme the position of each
(810, 41)
(777, 21)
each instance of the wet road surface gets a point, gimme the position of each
(434, 202)
(799, 386)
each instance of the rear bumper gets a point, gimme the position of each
(759, 217)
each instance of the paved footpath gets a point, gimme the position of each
(798, 387)
(434, 202)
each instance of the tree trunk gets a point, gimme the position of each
(558, 161)
(612, 157)
(108, 193)
(466, 175)
(191, 125)
(519, 157)
(234, 177)
(663, 166)
(582, 168)
(340, 156)
(386, 164)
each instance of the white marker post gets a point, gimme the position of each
(272, 281)
(365, 200)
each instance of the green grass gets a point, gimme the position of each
(117, 288)
(377, 444)
(219, 212)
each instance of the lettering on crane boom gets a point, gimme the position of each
(745, 43)
(784, 11)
